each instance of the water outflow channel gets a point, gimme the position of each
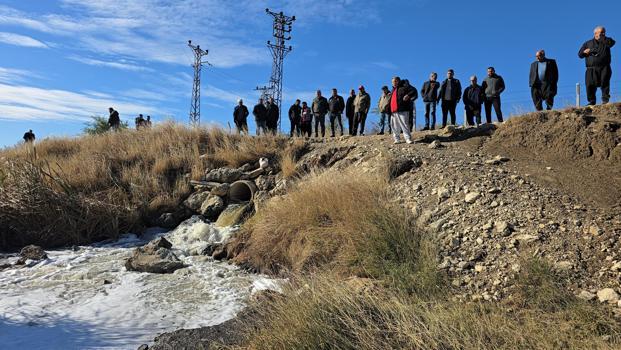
(85, 299)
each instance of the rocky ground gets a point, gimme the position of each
(544, 185)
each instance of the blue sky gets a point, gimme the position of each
(62, 61)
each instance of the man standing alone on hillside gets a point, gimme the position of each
(362, 104)
(598, 59)
(493, 86)
(400, 102)
(473, 100)
(350, 111)
(114, 121)
(240, 115)
(336, 105)
(543, 80)
(430, 98)
(260, 117)
(320, 109)
(450, 94)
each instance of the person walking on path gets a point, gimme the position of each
(430, 98)
(473, 100)
(260, 117)
(320, 109)
(350, 111)
(114, 121)
(543, 80)
(306, 120)
(362, 104)
(493, 86)
(596, 53)
(383, 108)
(273, 114)
(240, 117)
(400, 101)
(336, 105)
(450, 95)
(295, 115)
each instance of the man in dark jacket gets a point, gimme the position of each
(114, 121)
(450, 95)
(240, 115)
(543, 80)
(400, 104)
(362, 105)
(273, 114)
(260, 117)
(29, 136)
(295, 117)
(320, 109)
(473, 100)
(412, 110)
(493, 86)
(336, 105)
(430, 98)
(598, 73)
(350, 111)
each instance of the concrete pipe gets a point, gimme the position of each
(242, 191)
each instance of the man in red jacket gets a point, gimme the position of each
(400, 104)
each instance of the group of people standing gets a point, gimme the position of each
(266, 115)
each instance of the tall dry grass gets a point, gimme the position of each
(143, 171)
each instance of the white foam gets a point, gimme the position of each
(63, 303)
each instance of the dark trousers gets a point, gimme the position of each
(495, 102)
(307, 128)
(385, 119)
(360, 119)
(430, 112)
(320, 119)
(333, 119)
(295, 127)
(471, 113)
(540, 94)
(411, 120)
(598, 77)
(241, 126)
(449, 106)
(350, 123)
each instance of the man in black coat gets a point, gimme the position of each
(336, 105)
(260, 117)
(430, 98)
(295, 117)
(114, 121)
(598, 73)
(320, 109)
(543, 80)
(450, 95)
(240, 115)
(350, 110)
(273, 114)
(473, 100)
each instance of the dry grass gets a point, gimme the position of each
(143, 172)
(327, 313)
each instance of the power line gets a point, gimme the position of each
(195, 106)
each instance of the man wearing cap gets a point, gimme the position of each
(320, 109)
(240, 115)
(596, 53)
(362, 104)
(336, 106)
(400, 101)
(383, 108)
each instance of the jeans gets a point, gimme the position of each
(399, 123)
(385, 117)
(449, 106)
(333, 118)
(495, 102)
(430, 111)
(359, 120)
(320, 119)
(261, 127)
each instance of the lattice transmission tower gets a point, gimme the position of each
(195, 107)
(281, 33)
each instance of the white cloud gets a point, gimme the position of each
(122, 64)
(10, 75)
(21, 40)
(31, 103)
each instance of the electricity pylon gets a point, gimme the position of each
(195, 107)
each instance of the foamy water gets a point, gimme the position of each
(85, 299)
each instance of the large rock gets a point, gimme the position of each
(472, 197)
(223, 175)
(32, 252)
(607, 295)
(401, 165)
(221, 190)
(266, 182)
(167, 220)
(155, 257)
(195, 201)
(212, 207)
